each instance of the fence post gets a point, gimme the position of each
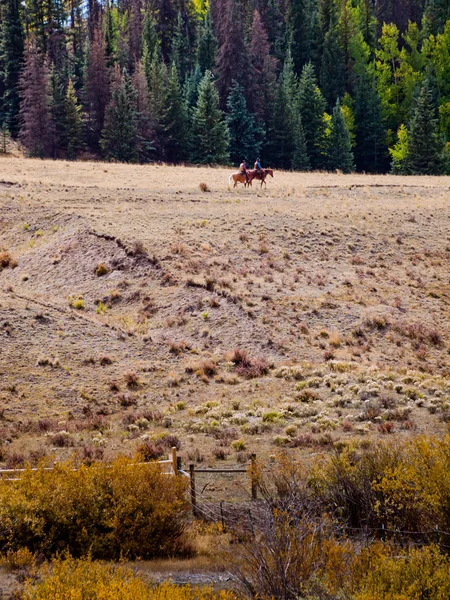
(174, 461)
(193, 494)
(253, 477)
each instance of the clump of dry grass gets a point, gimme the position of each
(101, 269)
(247, 366)
(204, 187)
(131, 379)
(6, 260)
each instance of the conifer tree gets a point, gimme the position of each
(150, 41)
(301, 26)
(119, 136)
(207, 46)
(340, 155)
(246, 135)
(425, 155)
(370, 148)
(300, 158)
(180, 47)
(263, 66)
(190, 89)
(73, 130)
(97, 88)
(311, 105)
(174, 121)
(36, 127)
(210, 132)
(282, 126)
(11, 58)
(145, 122)
(332, 81)
(57, 111)
(135, 25)
(158, 83)
(232, 58)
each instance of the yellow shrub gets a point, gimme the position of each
(409, 575)
(70, 579)
(124, 509)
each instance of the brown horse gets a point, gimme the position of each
(251, 175)
(259, 175)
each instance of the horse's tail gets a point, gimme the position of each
(229, 180)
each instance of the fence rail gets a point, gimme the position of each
(169, 467)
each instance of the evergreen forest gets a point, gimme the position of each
(304, 84)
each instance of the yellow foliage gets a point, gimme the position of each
(409, 575)
(71, 579)
(122, 509)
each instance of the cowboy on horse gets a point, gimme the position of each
(243, 170)
(258, 168)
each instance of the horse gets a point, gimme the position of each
(239, 177)
(259, 175)
(251, 175)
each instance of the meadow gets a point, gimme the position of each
(139, 312)
(150, 307)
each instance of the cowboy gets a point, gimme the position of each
(243, 170)
(258, 168)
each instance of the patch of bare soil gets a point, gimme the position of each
(136, 309)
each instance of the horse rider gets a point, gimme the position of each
(243, 170)
(258, 168)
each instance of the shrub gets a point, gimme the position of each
(149, 451)
(411, 574)
(86, 580)
(6, 260)
(204, 187)
(76, 302)
(121, 509)
(247, 366)
(101, 269)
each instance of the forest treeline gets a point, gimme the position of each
(305, 84)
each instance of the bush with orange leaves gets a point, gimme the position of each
(122, 509)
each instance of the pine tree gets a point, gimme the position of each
(370, 148)
(135, 26)
(58, 112)
(190, 89)
(264, 66)
(180, 47)
(158, 83)
(73, 133)
(340, 155)
(11, 57)
(301, 25)
(311, 105)
(332, 80)
(175, 122)
(300, 158)
(207, 46)
(119, 136)
(232, 59)
(36, 127)
(97, 89)
(145, 122)
(210, 132)
(246, 135)
(282, 125)
(425, 154)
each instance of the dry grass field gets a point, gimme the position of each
(138, 311)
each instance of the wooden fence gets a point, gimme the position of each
(169, 467)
